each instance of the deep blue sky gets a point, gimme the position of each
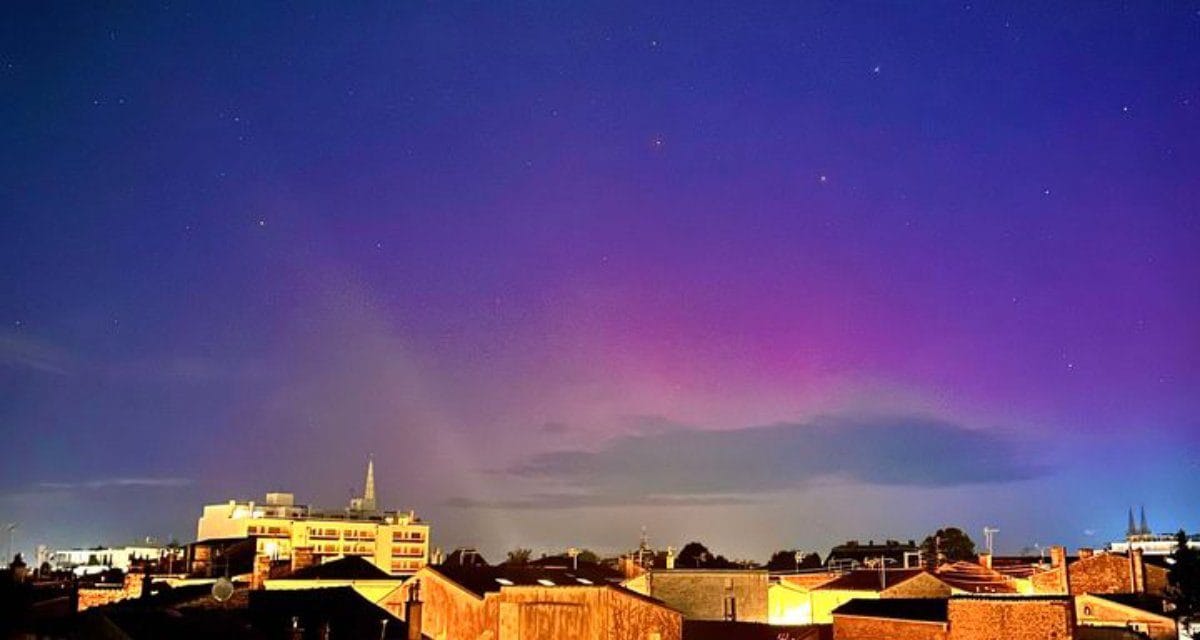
(749, 274)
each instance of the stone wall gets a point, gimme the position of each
(859, 628)
(988, 618)
(98, 596)
(701, 594)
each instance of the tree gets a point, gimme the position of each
(519, 556)
(1183, 579)
(694, 555)
(588, 556)
(793, 560)
(950, 544)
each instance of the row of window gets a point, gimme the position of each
(408, 535)
(406, 565)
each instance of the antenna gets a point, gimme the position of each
(989, 534)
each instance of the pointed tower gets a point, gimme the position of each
(1131, 530)
(368, 502)
(1144, 528)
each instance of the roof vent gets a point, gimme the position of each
(505, 581)
(545, 583)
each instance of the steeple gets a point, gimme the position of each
(1131, 530)
(1144, 529)
(368, 502)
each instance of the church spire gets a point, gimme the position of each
(368, 502)
(1144, 529)
(1131, 530)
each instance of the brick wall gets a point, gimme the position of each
(856, 628)
(1011, 619)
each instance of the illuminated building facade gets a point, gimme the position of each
(395, 541)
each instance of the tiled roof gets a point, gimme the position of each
(974, 578)
(870, 579)
(348, 568)
(481, 580)
(917, 609)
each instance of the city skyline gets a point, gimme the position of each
(766, 277)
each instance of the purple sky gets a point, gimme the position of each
(764, 277)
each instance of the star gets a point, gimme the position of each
(1125, 109)
(1046, 192)
(823, 178)
(262, 222)
(875, 69)
(657, 142)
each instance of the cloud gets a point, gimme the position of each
(21, 351)
(735, 464)
(554, 428)
(571, 501)
(111, 483)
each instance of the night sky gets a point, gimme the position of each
(762, 276)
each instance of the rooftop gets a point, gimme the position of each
(870, 579)
(915, 609)
(348, 568)
(480, 580)
(1140, 601)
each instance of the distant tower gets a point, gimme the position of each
(1144, 529)
(1131, 530)
(368, 503)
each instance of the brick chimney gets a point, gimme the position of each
(1085, 552)
(413, 612)
(1137, 571)
(1058, 556)
(985, 560)
(302, 557)
(134, 584)
(262, 570)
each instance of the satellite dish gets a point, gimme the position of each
(222, 590)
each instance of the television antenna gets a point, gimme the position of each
(989, 534)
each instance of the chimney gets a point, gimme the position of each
(302, 557)
(985, 560)
(261, 570)
(1085, 552)
(1137, 571)
(1058, 556)
(412, 611)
